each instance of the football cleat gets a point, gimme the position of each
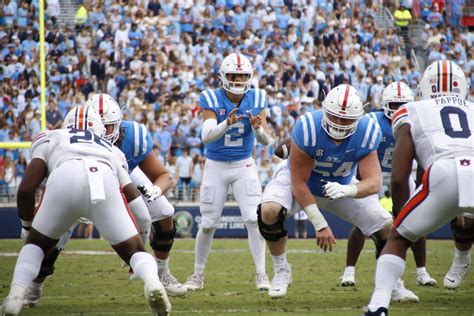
(381, 311)
(14, 301)
(194, 282)
(172, 286)
(455, 275)
(262, 282)
(157, 299)
(32, 296)
(281, 280)
(401, 294)
(425, 279)
(348, 278)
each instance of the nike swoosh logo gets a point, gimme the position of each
(248, 165)
(450, 280)
(349, 150)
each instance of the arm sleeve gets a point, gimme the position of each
(399, 118)
(211, 131)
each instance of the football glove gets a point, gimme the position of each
(335, 190)
(151, 192)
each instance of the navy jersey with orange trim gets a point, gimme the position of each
(335, 162)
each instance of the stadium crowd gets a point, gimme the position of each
(155, 56)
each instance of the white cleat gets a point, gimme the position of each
(401, 294)
(14, 301)
(157, 299)
(455, 275)
(32, 297)
(280, 282)
(194, 282)
(262, 282)
(348, 278)
(172, 286)
(425, 279)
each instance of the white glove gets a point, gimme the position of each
(334, 190)
(151, 192)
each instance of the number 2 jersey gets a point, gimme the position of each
(57, 146)
(335, 162)
(238, 141)
(440, 128)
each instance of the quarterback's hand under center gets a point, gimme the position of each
(325, 239)
(233, 118)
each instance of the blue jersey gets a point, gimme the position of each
(136, 143)
(385, 150)
(238, 141)
(335, 162)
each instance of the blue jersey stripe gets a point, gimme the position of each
(367, 133)
(208, 99)
(312, 128)
(375, 133)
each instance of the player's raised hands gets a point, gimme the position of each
(255, 121)
(325, 239)
(233, 118)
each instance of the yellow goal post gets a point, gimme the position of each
(15, 145)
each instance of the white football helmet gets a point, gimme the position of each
(395, 95)
(84, 118)
(109, 111)
(342, 102)
(443, 77)
(234, 64)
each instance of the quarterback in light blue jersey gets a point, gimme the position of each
(327, 148)
(234, 115)
(394, 95)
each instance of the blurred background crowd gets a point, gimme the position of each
(155, 56)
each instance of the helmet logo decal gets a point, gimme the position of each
(346, 96)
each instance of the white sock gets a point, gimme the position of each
(28, 265)
(202, 249)
(279, 261)
(421, 270)
(162, 264)
(462, 256)
(140, 211)
(144, 266)
(257, 246)
(389, 269)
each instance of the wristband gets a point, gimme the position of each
(26, 224)
(315, 217)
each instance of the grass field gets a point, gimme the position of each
(95, 284)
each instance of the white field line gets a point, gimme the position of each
(220, 250)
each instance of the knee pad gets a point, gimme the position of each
(47, 266)
(275, 231)
(462, 234)
(160, 240)
(379, 244)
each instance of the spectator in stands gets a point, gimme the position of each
(301, 225)
(9, 175)
(435, 18)
(53, 10)
(81, 16)
(386, 201)
(184, 170)
(54, 118)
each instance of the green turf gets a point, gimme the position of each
(97, 285)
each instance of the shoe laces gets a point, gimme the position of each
(282, 276)
(262, 277)
(196, 278)
(459, 270)
(167, 278)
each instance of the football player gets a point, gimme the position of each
(437, 132)
(134, 141)
(234, 116)
(327, 147)
(394, 95)
(82, 170)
